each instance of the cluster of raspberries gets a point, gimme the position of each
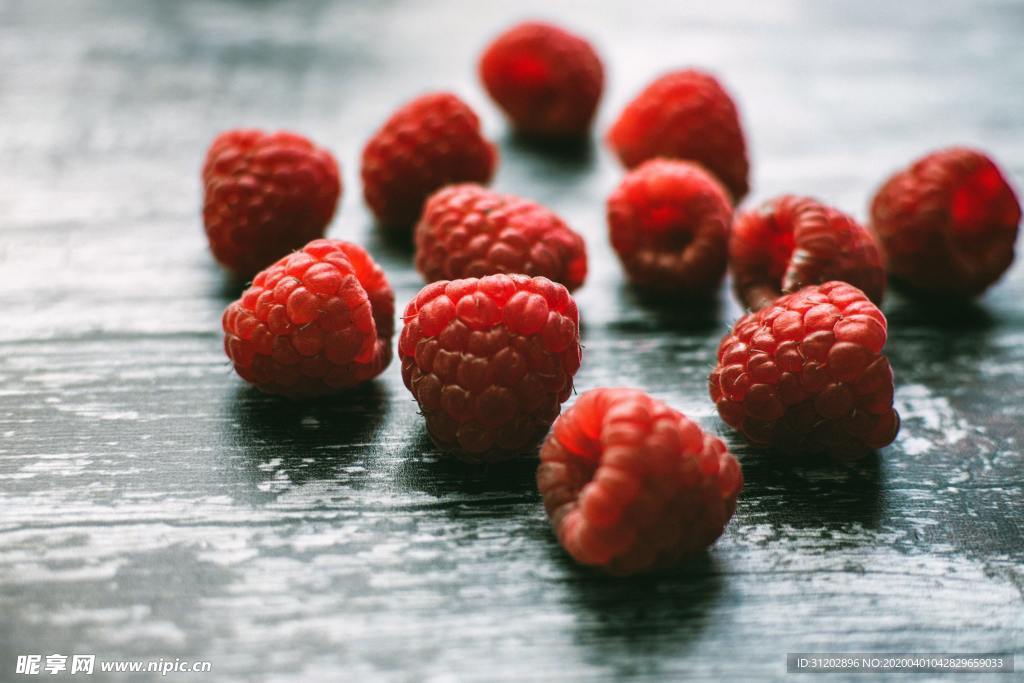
(490, 347)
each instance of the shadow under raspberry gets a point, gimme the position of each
(308, 440)
(645, 617)
(424, 468)
(572, 154)
(906, 307)
(650, 312)
(810, 492)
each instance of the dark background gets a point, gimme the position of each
(151, 505)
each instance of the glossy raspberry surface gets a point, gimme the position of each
(316, 322)
(806, 375)
(685, 114)
(632, 485)
(432, 141)
(791, 242)
(264, 195)
(669, 223)
(490, 361)
(547, 80)
(470, 231)
(949, 223)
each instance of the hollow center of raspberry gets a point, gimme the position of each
(781, 244)
(666, 225)
(528, 71)
(979, 202)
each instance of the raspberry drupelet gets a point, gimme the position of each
(316, 322)
(806, 375)
(546, 79)
(791, 242)
(948, 224)
(432, 141)
(669, 224)
(632, 485)
(470, 231)
(685, 114)
(264, 195)
(490, 361)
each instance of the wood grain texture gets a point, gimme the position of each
(153, 506)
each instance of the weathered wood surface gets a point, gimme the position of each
(153, 506)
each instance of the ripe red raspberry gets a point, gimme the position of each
(264, 195)
(685, 115)
(806, 374)
(317, 321)
(490, 361)
(547, 80)
(470, 231)
(633, 485)
(948, 223)
(428, 143)
(791, 242)
(669, 223)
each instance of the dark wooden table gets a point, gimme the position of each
(151, 505)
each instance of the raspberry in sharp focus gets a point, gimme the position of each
(264, 195)
(791, 242)
(470, 231)
(685, 115)
(948, 223)
(318, 321)
(806, 375)
(669, 223)
(430, 142)
(633, 485)
(547, 80)
(490, 361)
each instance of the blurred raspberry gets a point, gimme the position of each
(318, 321)
(470, 231)
(430, 142)
(264, 195)
(490, 361)
(806, 375)
(685, 115)
(669, 223)
(632, 485)
(791, 242)
(948, 223)
(547, 80)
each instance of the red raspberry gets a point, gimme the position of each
(791, 242)
(633, 485)
(490, 361)
(806, 374)
(264, 195)
(470, 231)
(428, 143)
(546, 79)
(685, 115)
(669, 222)
(948, 223)
(317, 321)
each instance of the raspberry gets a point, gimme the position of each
(684, 115)
(470, 231)
(806, 374)
(948, 223)
(317, 321)
(428, 143)
(547, 80)
(791, 242)
(669, 223)
(633, 485)
(265, 194)
(490, 361)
